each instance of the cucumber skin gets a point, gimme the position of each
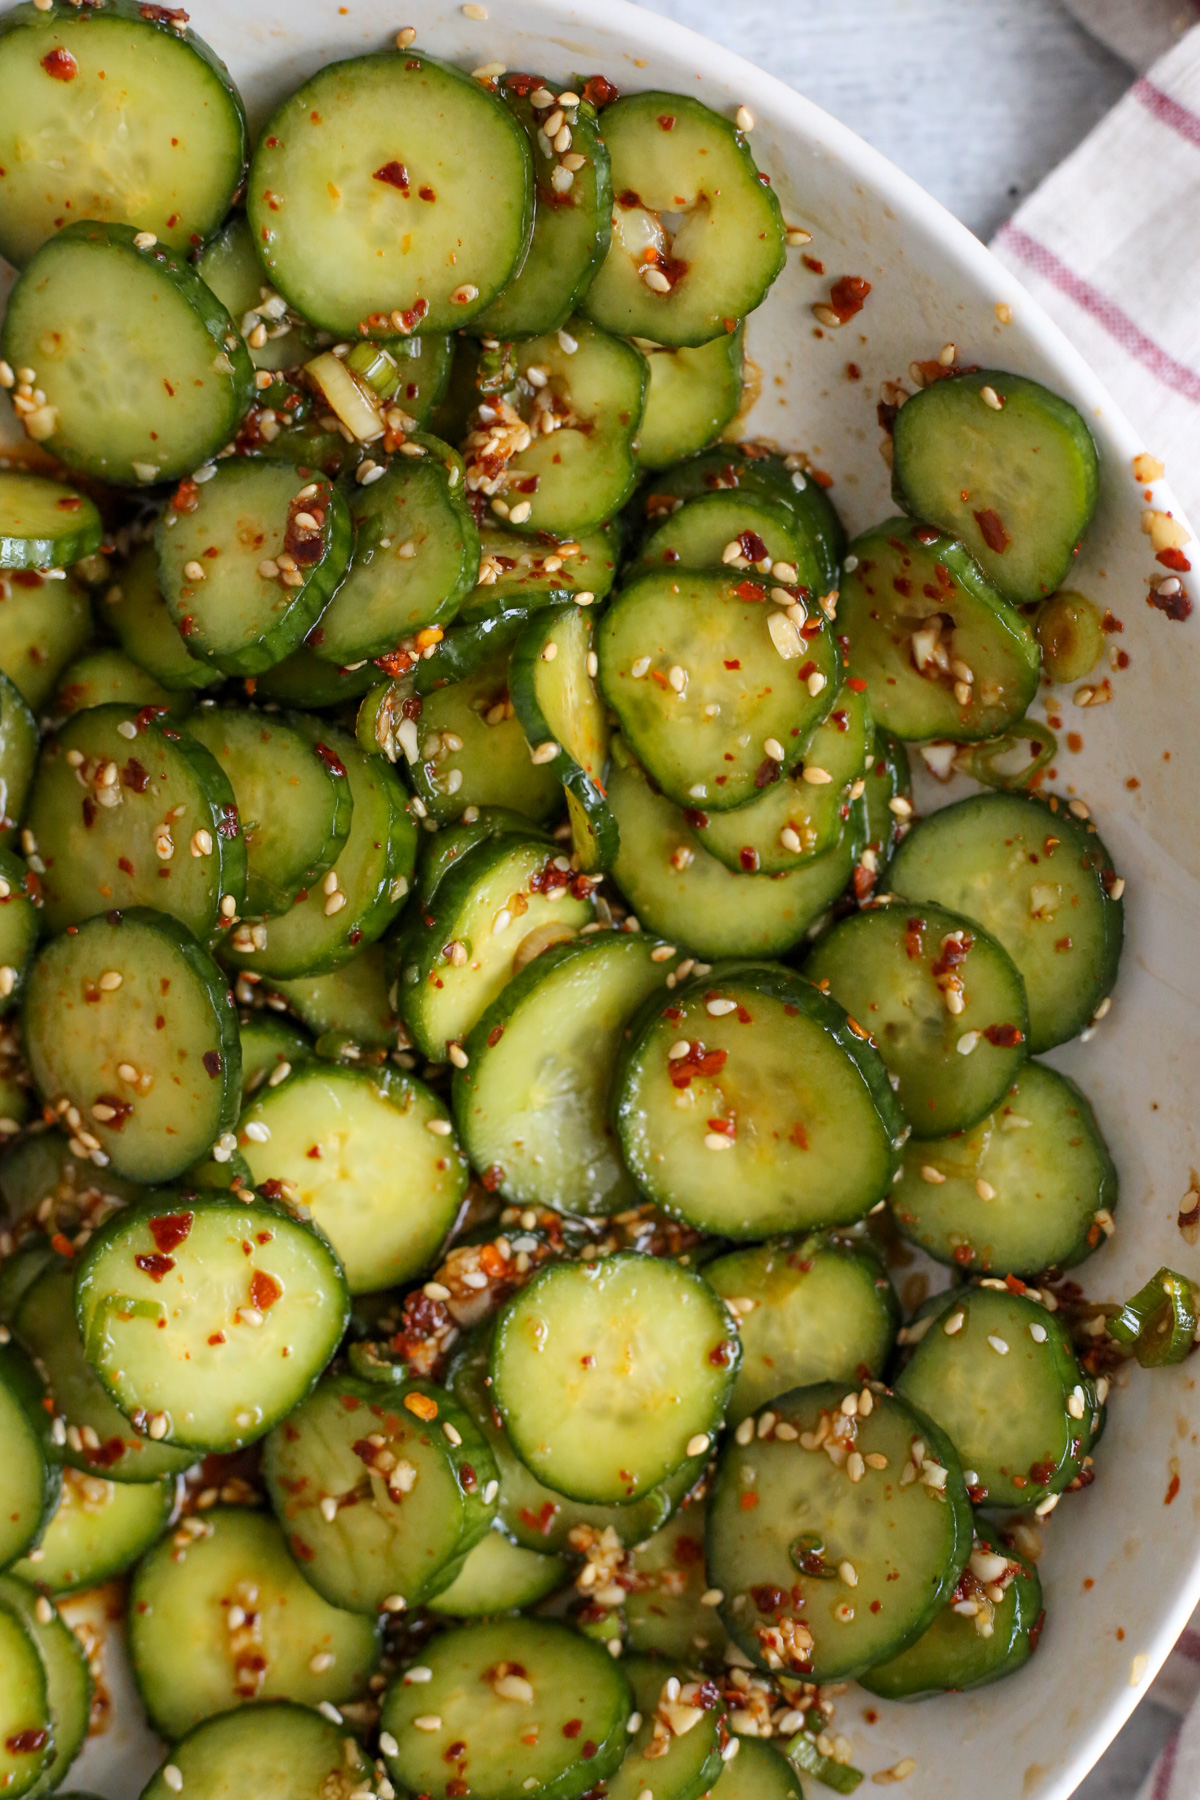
(69, 546)
(25, 1385)
(587, 791)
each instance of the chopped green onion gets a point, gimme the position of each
(801, 1751)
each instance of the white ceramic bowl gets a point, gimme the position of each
(1121, 1569)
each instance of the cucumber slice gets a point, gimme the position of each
(572, 212)
(30, 1485)
(942, 1000)
(181, 1604)
(570, 421)
(499, 1576)
(229, 265)
(664, 1610)
(155, 1096)
(97, 1437)
(674, 158)
(1007, 467)
(1036, 875)
(809, 1309)
(516, 570)
(696, 662)
(566, 1732)
(379, 1503)
(532, 1101)
(134, 609)
(99, 1528)
(302, 679)
(268, 1747)
(642, 1356)
(673, 1748)
(801, 817)
(268, 1042)
(740, 530)
(473, 752)
(235, 604)
(127, 812)
(293, 799)
(19, 924)
(21, 1268)
(357, 899)
(43, 524)
(683, 893)
(1004, 1384)
(692, 397)
(370, 1155)
(68, 1677)
(805, 1534)
(363, 243)
(440, 850)
(130, 409)
(887, 779)
(18, 756)
(942, 654)
(759, 1772)
(352, 1002)
(110, 678)
(182, 1361)
(456, 957)
(1048, 1173)
(755, 1062)
(44, 625)
(139, 122)
(43, 1167)
(990, 1629)
(537, 1517)
(554, 696)
(416, 555)
(26, 1731)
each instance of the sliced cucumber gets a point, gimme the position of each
(234, 602)
(499, 1576)
(200, 1361)
(268, 1747)
(673, 1748)
(44, 625)
(370, 1154)
(554, 696)
(370, 229)
(532, 1101)
(43, 524)
(998, 1374)
(752, 1104)
(1026, 1190)
(380, 1490)
(229, 265)
(130, 1022)
(673, 158)
(759, 1772)
(21, 1268)
(697, 662)
(473, 752)
(942, 654)
(457, 956)
(293, 799)
(124, 115)
(1007, 467)
(801, 817)
(572, 213)
(887, 780)
(128, 812)
(563, 1728)
(809, 1309)
(134, 609)
(685, 894)
(30, 1485)
(742, 531)
(440, 850)
(351, 1003)
(302, 679)
(830, 1563)
(97, 1438)
(132, 409)
(664, 1611)
(942, 1000)
(99, 1528)
(1036, 875)
(43, 1167)
(692, 397)
(19, 925)
(356, 900)
(18, 756)
(989, 1629)
(268, 1042)
(221, 1615)
(642, 1356)
(68, 1678)
(108, 678)
(26, 1727)
(516, 570)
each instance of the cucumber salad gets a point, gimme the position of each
(483, 1020)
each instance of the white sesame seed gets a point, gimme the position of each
(431, 1721)
(967, 1042)
(954, 1323)
(158, 1426)
(816, 682)
(1046, 1506)
(744, 119)
(388, 1744)
(991, 398)
(797, 237)
(717, 1140)
(110, 981)
(640, 667)
(329, 1711)
(439, 1127)
(202, 843)
(145, 240)
(545, 753)
(717, 1009)
(696, 1446)
(329, 1509)
(677, 676)
(566, 343)
(848, 1573)
(856, 1468)
(406, 36)
(454, 1437)
(930, 1174)
(985, 1190)
(998, 1344)
(774, 749)
(711, 1597)
(257, 1132)
(173, 1778)
(1038, 1333)
(396, 1603)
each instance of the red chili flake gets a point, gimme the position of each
(1003, 1037)
(25, 1743)
(753, 548)
(69, 503)
(330, 758)
(120, 1110)
(748, 590)
(588, 1751)
(1172, 1490)
(572, 1728)
(170, 1230)
(134, 776)
(300, 1550)
(125, 866)
(733, 663)
(698, 1061)
(155, 1266)
(426, 193)
(963, 1254)
(216, 1337)
(492, 1177)
(227, 824)
(847, 296)
(1176, 606)
(186, 497)
(60, 65)
(666, 121)
(798, 1136)
(768, 1598)
(1040, 1472)
(264, 1290)
(62, 1245)
(212, 1063)
(149, 715)
(695, 818)
(1174, 559)
(748, 860)
(88, 807)
(767, 772)
(542, 1520)
(393, 174)
(720, 1356)
(598, 91)
(991, 527)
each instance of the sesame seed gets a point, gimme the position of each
(1046, 1506)
(329, 1509)
(717, 1009)
(1115, 892)
(816, 682)
(431, 1721)
(110, 981)
(202, 843)
(1038, 1333)
(329, 1711)
(744, 119)
(717, 1140)
(439, 1127)
(855, 1466)
(848, 1573)
(985, 1190)
(954, 1323)
(545, 753)
(774, 749)
(173, 1778)
(404, 37)
(457, 1055)
(817, 777)
(991, 398)
(797, 237)
(744, 1432)
(901, 806)
(654, 279)
(696, 1446)
(453, 1436)
(566, 343)
(732, 552)
(145, 240)
(967, 1042)
(640, 667)
(396, 1603)
(678, 1049)
(158, 1426)
(334, 904)
(388, 1744)
(930, 1174)
(677, 677)
(257, 1132)
(998, 1344)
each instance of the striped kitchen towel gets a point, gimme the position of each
(1108, 244)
